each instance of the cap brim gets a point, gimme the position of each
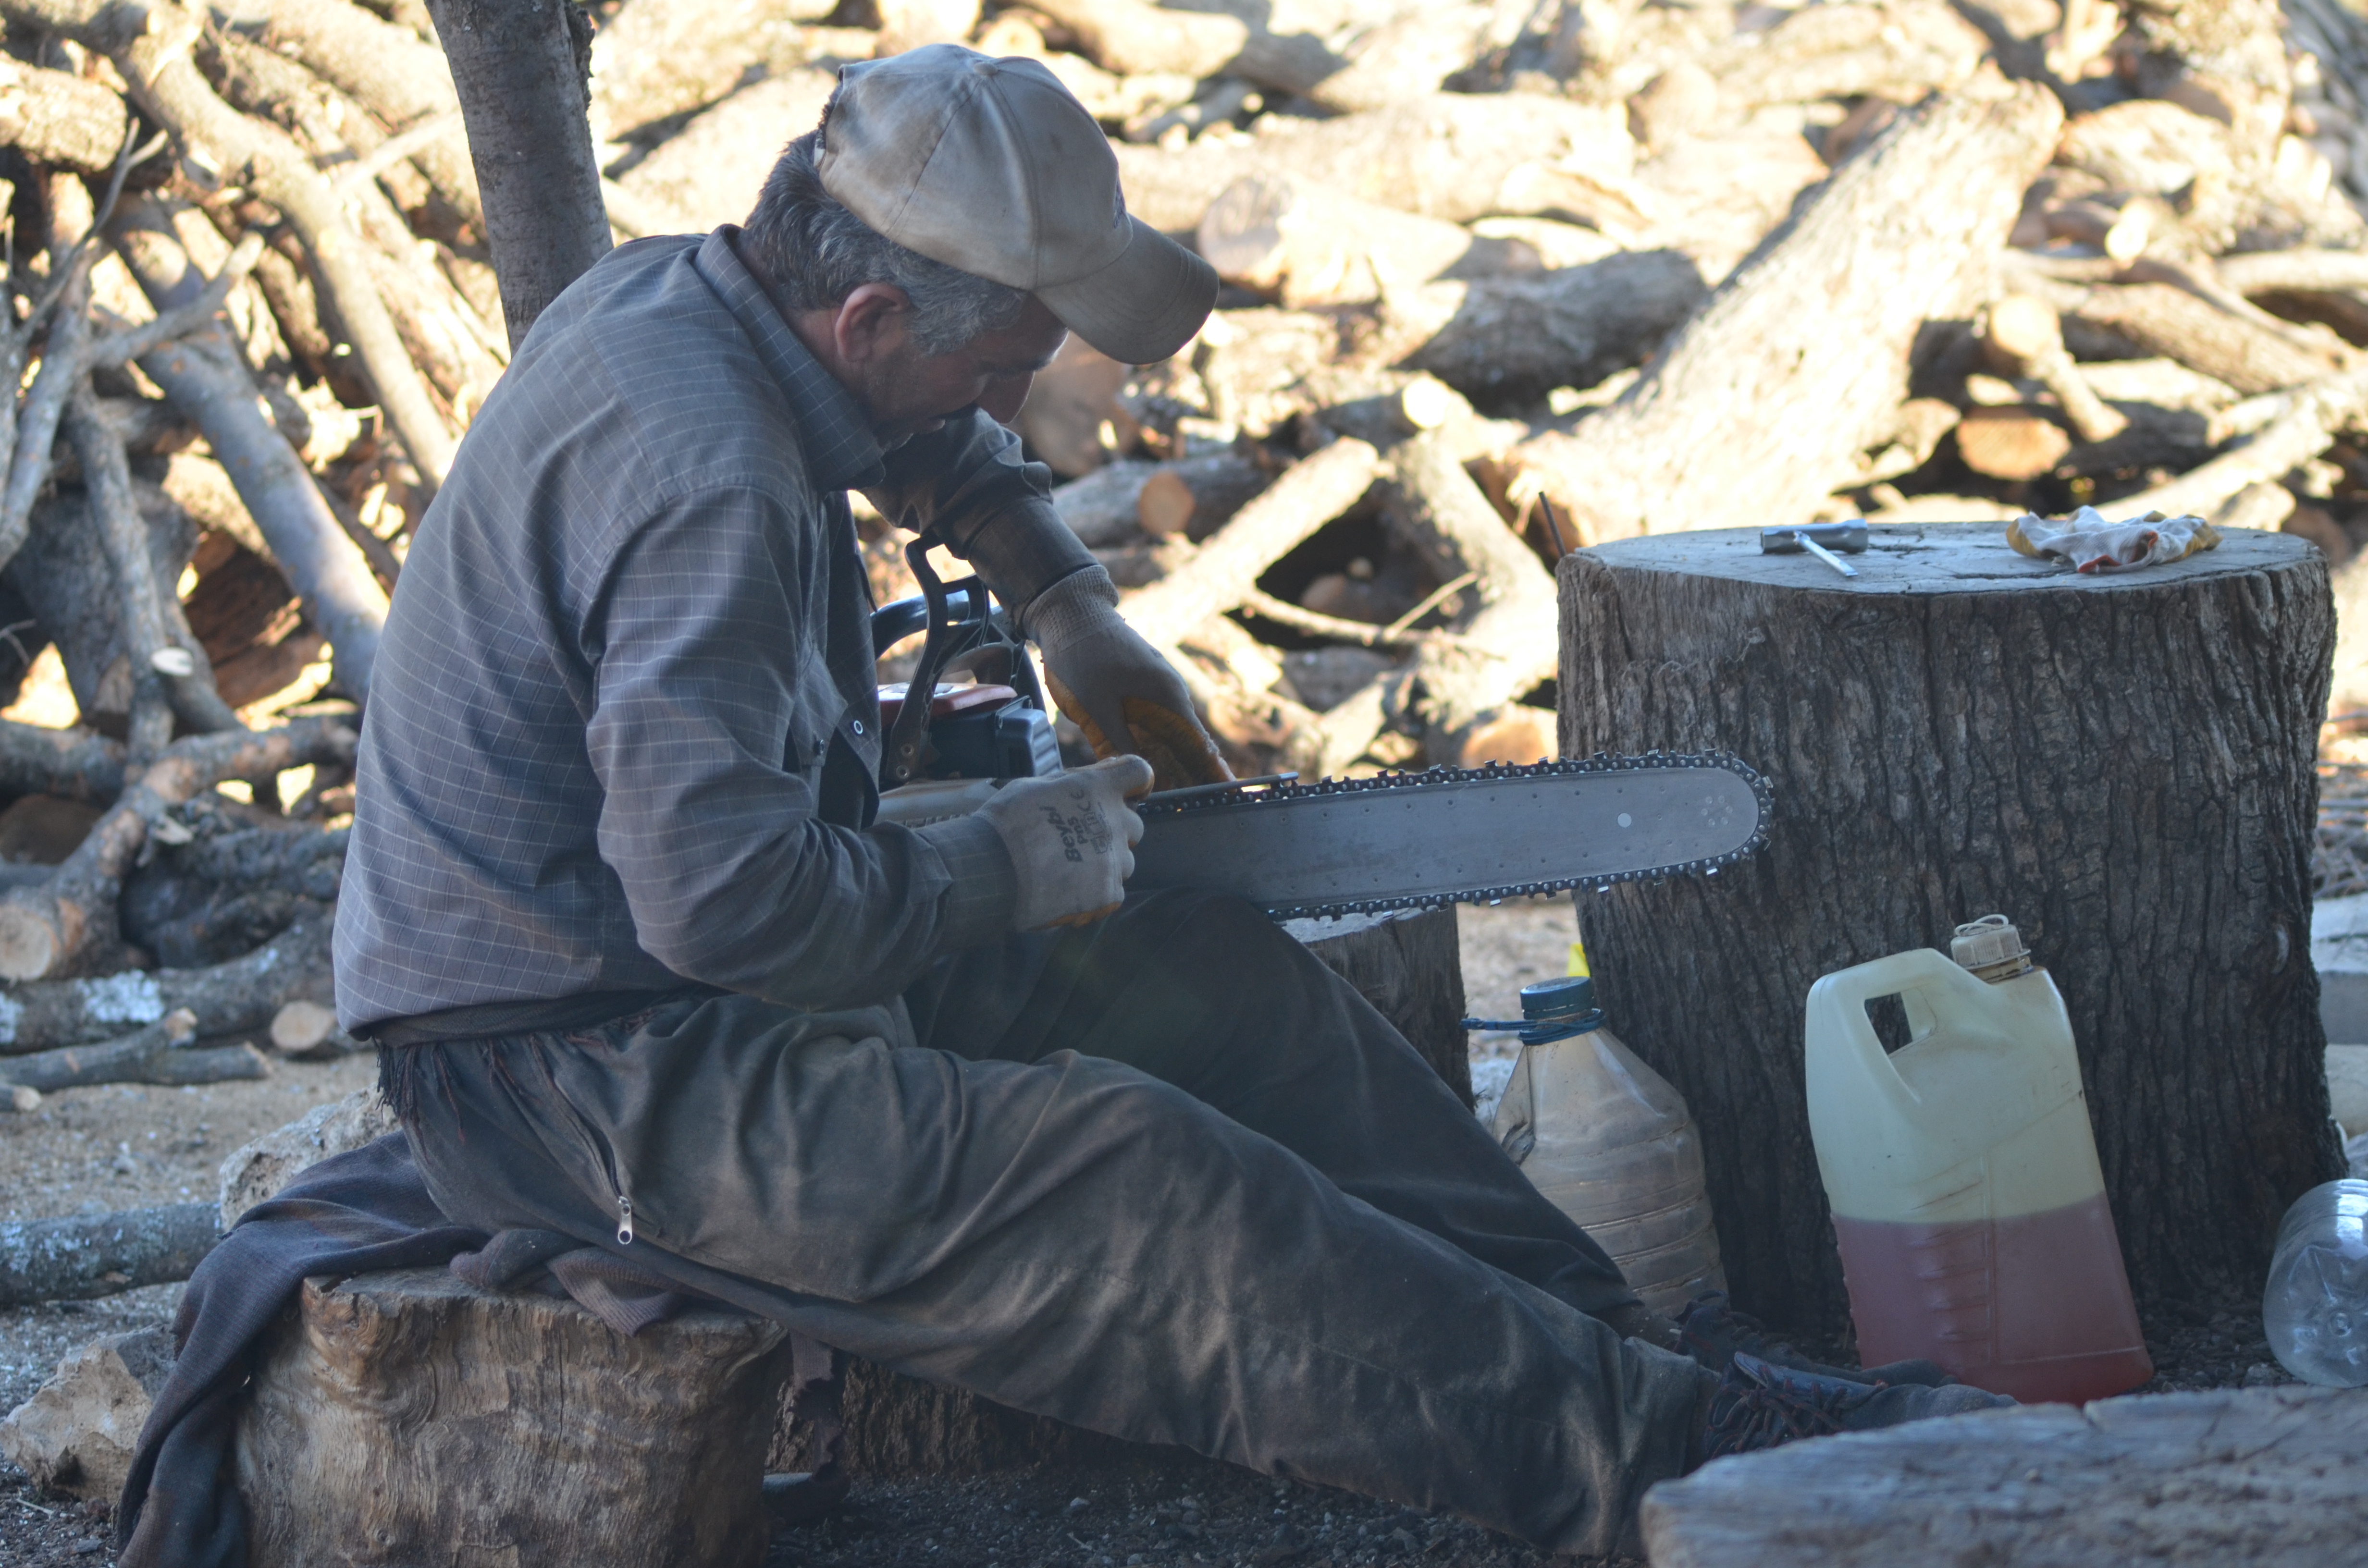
(1142, 307)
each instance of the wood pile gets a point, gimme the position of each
(1502, 279)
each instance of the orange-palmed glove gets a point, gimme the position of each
(1115, 686)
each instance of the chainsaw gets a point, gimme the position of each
(1334, 846)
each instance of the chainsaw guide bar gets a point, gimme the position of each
(1458, 835)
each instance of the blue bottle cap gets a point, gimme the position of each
(1563, 998)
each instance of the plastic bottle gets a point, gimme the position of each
(1963, 1175)
(2315, 1307)
(1608, 1141)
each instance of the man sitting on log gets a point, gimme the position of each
(644, 968)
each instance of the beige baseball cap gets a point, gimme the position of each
(992, 167)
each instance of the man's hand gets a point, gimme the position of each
(1115, 686)
(1072, 839)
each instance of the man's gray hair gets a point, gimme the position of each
(815, 253)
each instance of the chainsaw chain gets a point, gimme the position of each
(1430, 777)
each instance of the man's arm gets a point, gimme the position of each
(703, 719)
(967, 483)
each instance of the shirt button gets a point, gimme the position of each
(859, 727)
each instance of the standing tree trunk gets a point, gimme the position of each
(520, 67)
(2123, 764)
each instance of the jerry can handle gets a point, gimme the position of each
(1842, 997)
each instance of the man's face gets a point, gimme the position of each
(908, 392)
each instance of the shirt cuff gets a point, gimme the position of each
(982, 886)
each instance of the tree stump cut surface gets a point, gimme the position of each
(2122, 764)
(409, 1418)
(2270, 1478)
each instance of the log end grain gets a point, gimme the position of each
(302, 1025)
(29, 941)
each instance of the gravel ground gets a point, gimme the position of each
(99, 1149)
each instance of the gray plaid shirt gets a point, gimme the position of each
(623, 728)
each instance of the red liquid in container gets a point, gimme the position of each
(1963, 1176)
(2033, 1307)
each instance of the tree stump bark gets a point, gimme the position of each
(409, 1418)
(1409, 965)
(2122, 764)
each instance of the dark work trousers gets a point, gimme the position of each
(1166, 1177)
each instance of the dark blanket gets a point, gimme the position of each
(353, 1213)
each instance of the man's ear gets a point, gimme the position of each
(873, 323)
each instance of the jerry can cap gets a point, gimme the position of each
(1991, 948)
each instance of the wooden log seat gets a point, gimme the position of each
(409, 1418)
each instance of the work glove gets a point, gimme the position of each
(1115, 686)
(1071, 837)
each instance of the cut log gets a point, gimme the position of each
(1099, 507)
(1199, 496)
(242, 995)
(408, 1418)
(260, 1169)
(80, 1259)
(1444, 156)
(1501, 651)
(170, 678)
(229, 889)
(2024, 338)
(660, 59)
(301, 1026)
(47, 931)
(59, 119)
(1514, 339)
(2307, 424)
(75, 764)
(122, 1060)
(166, 83)
(1128, 36)
(1899, 52)
(391, 70)
(1800, 360)
(207, 382)
(1307, 496)
(77, 1433)
(2270, 1477)
(2160, 319)
(1299, 243)
(63, 567)
(2011, 443)
(1908, 696)
(520, 75)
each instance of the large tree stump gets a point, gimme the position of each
(1409, 966)
(2122, 764)
(2271, 1478)
(409, 1418)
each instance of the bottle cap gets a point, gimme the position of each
(1991, 948)
(1558, 998)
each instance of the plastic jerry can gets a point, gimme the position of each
(1963, 1175)
(1608, 1141)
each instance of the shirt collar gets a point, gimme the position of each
(841, 451)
